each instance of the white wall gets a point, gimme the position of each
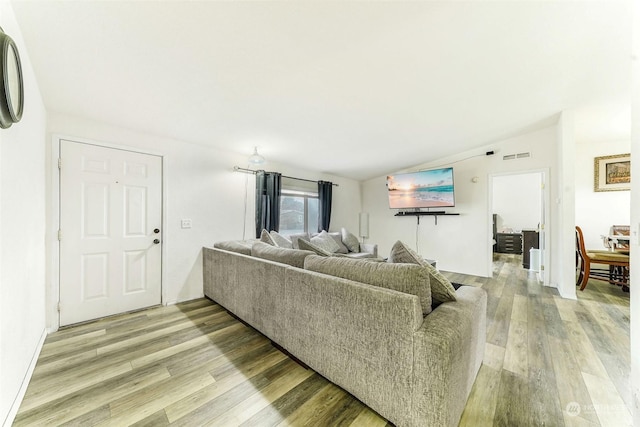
(597, 211)
(635, 219)
(563, 262)
(22, 231)
(200, 185)
(517, 201)
(459, 243)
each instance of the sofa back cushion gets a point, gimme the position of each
(238, 246)
(441, 288)
(293, 257)
(406, 278)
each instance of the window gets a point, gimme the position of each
(298, 212)
(298, 206)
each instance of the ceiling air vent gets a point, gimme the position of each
(516, 156)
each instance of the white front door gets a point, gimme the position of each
(110, 236)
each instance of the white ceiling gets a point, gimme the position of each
(354, 88)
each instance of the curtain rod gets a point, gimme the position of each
(251, 171)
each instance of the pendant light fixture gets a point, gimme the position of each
(256, 159)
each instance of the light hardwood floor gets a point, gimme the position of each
(548, 361)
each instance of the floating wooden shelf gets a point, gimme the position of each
(433, 214)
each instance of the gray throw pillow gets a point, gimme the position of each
(301, 236)
(265, 237)
(326, 242)
(337, 236)
(280, 240)
(407, 278)
(308, 246)
(350, 241)
(441, 288)
(293, 257)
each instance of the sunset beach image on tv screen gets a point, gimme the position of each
(424, 189)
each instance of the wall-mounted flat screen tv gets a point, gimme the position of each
(424, 189)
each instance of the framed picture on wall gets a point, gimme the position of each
(612, 173)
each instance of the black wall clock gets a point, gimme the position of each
(11, 88)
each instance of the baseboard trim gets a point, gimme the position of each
(25, 382)
(564, 295)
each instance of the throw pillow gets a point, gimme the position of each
(308, 246)
(350, 241)
(266, 238)
(296, 237)
(441, 288)
(406, 278)
(338, 238)
(280, 240)
(326, 242)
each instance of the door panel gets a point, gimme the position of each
(95, 276)
(96, 211)
(136, 211)
(135, 264)
(110, 203)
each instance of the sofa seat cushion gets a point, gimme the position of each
(407, 278)
(293, 257)
(238, 246)
(441, 288)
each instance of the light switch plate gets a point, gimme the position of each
(185, 223)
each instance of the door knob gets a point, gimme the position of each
(156, 241)
(157, 230)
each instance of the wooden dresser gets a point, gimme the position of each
(509, 243)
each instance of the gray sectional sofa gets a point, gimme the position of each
(371, 340)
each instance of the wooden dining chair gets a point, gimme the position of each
(619, 275)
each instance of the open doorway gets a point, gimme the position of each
(517, 207)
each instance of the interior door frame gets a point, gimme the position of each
(53, 292)
(545, 194)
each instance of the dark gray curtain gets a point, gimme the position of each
(268, 190)
(324, 204)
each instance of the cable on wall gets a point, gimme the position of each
(417, 234)
(488, 153)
